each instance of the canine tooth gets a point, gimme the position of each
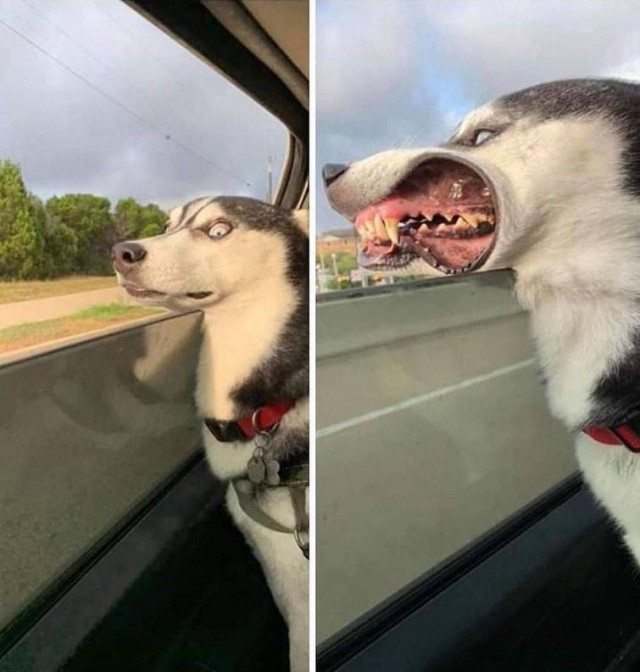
(380, 229)
(472, 219)
(392, 230)
(369, 227)
(428, 217)
(423, 228)
(462, 224)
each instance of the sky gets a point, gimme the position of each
(141, 117)
(403, 73)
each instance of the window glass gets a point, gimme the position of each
(432, 428)
(85, 433)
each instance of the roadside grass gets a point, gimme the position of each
(26, 290)
(97, 317)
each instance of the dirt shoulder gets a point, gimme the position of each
(12, 292)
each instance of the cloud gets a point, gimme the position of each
(438, 60)
(68, 137)
(497, 47)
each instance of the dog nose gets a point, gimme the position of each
(332, 171)
(125, 255)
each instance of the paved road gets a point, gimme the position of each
(432, 428)
(54, 306)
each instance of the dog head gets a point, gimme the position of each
(545, 180)
(213, 248)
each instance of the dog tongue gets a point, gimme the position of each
(456, 253)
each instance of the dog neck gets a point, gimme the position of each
(246, 358)
(586, 335)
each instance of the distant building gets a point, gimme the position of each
(336, 241)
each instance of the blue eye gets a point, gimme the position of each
(482, 136)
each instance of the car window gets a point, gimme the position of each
(432, 428)
(105, 123)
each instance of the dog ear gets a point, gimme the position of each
(301, 220)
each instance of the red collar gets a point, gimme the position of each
(262, 420)
(621, 435)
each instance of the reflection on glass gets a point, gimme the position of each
(432, 428)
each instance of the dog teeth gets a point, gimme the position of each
(424, 228)
(369, 227)
(473, 219)
(379, 228)
(462, 225)
(391, 226)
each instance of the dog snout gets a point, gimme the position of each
(332, 171)
(126, 255)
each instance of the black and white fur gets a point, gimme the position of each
(244, 264)
(564, 160)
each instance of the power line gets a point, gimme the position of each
(121, 105)
(132, 37)
(133, 44)
(69, 37)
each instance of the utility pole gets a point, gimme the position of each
(334, 259)
(269, 178)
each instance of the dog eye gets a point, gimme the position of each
(219, 229)
(482, 136)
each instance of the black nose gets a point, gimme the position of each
(127, 254)
(332, 171)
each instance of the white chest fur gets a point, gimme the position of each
(579, 340)
(238, 335)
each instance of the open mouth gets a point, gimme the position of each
(142, 293)
(443, 213)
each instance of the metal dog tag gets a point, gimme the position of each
(272, 475)
(256, 470)
(262, 468)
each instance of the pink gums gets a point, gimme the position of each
(438, 186)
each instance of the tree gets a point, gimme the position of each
(154, 221)
(21, 227)
(89, 219)
(61, 248)
(133, 220)
(346, 262)
(69, 234)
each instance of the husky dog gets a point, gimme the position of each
(545, 181)
(244, 264)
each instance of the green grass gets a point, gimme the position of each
(20, 331)
(108, 311)
(97, 317)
